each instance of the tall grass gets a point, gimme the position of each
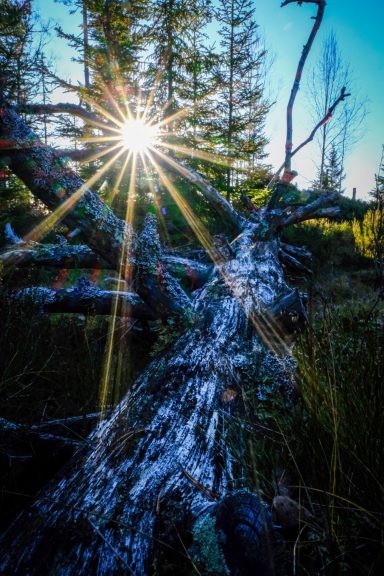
(51, 366)
(328, 453)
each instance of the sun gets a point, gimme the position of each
(137, 136)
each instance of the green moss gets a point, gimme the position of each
(207, 551)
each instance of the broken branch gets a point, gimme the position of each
(296, 84)
(313, 210)
(84, 298)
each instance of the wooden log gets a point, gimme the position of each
(162, 456)
(83, 298)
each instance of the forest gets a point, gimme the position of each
(191, 343)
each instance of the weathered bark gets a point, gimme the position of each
(191, 273)
(83, 298)
(51, 256)
(157, 479)
(162, 456)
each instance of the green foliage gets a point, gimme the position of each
(333, 244)
(328, 450)
(19, 56)
(237, 125)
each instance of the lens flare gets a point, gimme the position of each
(137, 135)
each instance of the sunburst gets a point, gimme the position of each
(127, 138)
(137, 135)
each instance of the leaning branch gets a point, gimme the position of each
(296, 84)
(83, 299)
(63, 108)
(70, 199)
(211, 194)
(313, 210)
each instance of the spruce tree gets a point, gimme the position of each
(333, 173)
(241, 108)
(21, 56)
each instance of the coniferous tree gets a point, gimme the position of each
(241, 107)
(198, 81)
(333, 173)
(21, 55)
(169, 21)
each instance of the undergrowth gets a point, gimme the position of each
(327, 454)
(53, 366)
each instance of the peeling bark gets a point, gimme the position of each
(157, 478)
(83, 298)
(163, 454)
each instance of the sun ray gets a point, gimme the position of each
(123, 273)
(169, 119)
(99, 153)
(192, 152)
(101, 125)
(271, 333)
(107, 115)
(198, 228)
(155, 198)
(90, 139)
(114, 103)
(121, 173)
(122, 90)
(52, 219)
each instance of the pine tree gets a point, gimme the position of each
(21, 55)
(333, 173)
(169, 21)
(198, 78)
(241, 107)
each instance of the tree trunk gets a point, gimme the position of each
(157, 489)
(161, 462)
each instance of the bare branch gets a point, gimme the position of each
(313, 210)
(292, 262)
(84, 298)
(323, 121)
(210, 193)
(64, 108)
(343, 95)
(295, 88)
(52, 256)
(83, 154)
(297, 252)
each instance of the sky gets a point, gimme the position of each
(358, 27)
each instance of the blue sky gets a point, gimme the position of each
(358, 27)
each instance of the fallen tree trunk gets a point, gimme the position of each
(162, 460)
(158, 485)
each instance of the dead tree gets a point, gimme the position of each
(157, 479)
(161, 459)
